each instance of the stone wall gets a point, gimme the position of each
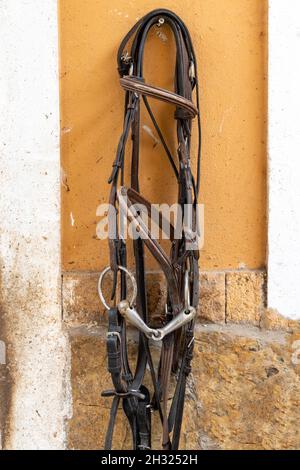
(244, 391)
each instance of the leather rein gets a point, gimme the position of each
(175, 336)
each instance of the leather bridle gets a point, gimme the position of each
(180, 268)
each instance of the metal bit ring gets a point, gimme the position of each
(100, 285)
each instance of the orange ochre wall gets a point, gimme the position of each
(230, 41)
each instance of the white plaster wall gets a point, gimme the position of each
(37, 349)
(284, 158)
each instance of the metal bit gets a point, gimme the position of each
(183, 318)
(132, 316)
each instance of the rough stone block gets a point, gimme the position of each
(82, 306)
(272, 320)
(212, 297)
(81, 303)
(236, 297)
(246, 388)
(245, 297)
(243, 393)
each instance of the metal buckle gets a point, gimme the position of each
(192, 73)
(110, 334)
(126, 58)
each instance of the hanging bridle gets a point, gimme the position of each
(180, 269)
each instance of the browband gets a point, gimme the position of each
(136, 85)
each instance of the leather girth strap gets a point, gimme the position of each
(180, 268)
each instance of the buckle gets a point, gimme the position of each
(111, 334)
(126, 57)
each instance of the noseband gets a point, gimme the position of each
(175, 334)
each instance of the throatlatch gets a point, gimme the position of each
(180, 268)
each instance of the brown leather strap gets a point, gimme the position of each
(137, 86)
(128, 206)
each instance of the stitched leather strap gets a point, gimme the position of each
(136, 85)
